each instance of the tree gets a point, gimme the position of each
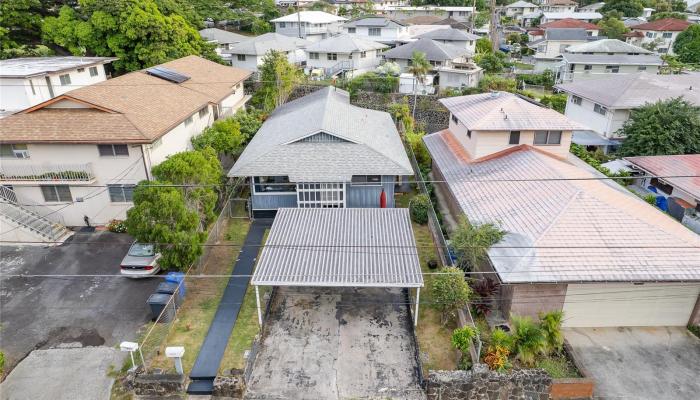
(492, 62)
(481, 18)
(471, 242)
(449, 291)
(687, 45)
(628, 8)
(668, 14)
(250, 121)
(529, 339)
(278, 77)
(135, 31)
(612, 27)
(160, 216)
(260, 26)
(419, 69)
(495, 82)
(556, 102)
(483, 46)
(224, 136)
(551, 329)
(662, 128)
(419, 207)
(20, 22)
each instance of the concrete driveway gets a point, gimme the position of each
(43, 312)
(639, 363)
(336, 343)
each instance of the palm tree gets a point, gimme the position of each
(419, 68)
(551, 329)
(529, 339)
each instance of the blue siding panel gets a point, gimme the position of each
(273, 201)
(368, 196)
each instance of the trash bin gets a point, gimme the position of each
(158, 302)
(177, 277)
(170, 288)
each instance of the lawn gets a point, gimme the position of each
(558, 366)
(523, 66)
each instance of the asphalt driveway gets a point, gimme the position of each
(43, 312)
(336, 343)
(639, 363)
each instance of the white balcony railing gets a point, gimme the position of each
(18, 171)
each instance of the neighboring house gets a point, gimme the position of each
(646, 12)
(222, 39)
(452, 65)
(530, 19)
(559, 6)
(423, 20)
(570, 23)
(249, 54)
(378, 29)
(632, 21)
(605, 104)
(606, 56)
(548, 50)
(80, 154)
(29, 81)
(519, 8)
(453, 37)
(319, 151)
(592, 7)
(582, 16)
(572, 243)
(345, 53)
(693, 6)
(309, 25)
(461, 14)
(658, 35)
(453, 23)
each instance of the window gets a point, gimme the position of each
(352, 30)
(514, 137)
(667, 35)
(273, 184)
(454, 119)
(541, 48)
(56, 193)
(313, 56)
(576, 100)
(113, 150)
(283, 25)
(203, 112)
(14, 151)
(363, 54)
(547, 137)
(93, 71)
(612, 69)
(31, 84)
(65, 79)
(662, 50)
(81, 69)
(469, 134)
(375, 31)
(587, 67)
(600, 109)
(321, 195)
(240, 57)
(189, 121)
(332, 56)
(642, 68)
(120, 193)
(651, 35)
(366, 180)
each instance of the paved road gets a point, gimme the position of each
(42, 312)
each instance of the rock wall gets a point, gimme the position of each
(156, 385)
(482, 384)
(229, 386)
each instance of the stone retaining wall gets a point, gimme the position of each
(482, 384)
(156, 385)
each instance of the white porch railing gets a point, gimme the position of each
(11, 170)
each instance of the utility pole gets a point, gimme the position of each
(493, 27)
(473, 16)
(299, 18)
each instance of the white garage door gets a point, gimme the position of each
(652, 304)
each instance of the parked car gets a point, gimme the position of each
(141, 261)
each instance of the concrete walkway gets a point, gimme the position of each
(210, 354)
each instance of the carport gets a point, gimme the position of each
(340, 247)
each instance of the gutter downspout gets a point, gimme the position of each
(146, 163)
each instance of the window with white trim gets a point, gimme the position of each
(363, 54)
(321, 195)
(240, 57)
(667, 35)
(641, 68)
(93, 71)
(332, 56)
(282, 24)
(366, 180)
(374, 32)
(454, 119)
(352, 30)
(576, 100)
(273, 184)
(65, 79)
(600, 109)
(31, 84)
(121, 193)
(81, 69)
(587, 67)
(14, 151)
(313, 56)
(56, 193)
(612, 69)
(547, 137)
(514, 137)
(113, 150)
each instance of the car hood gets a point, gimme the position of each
(138, 261)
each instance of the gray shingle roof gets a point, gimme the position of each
(370, 142)
(607, 46)
(634, 90)
(260, 45)
(566, 34)
(617, 59)
(374, 22)
(449, 34)
(344, 44)
(222, 36)
(434, 51)
(368, 247)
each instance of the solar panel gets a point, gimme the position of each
(167, 74)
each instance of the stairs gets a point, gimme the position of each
(23, 218)
(336, 69)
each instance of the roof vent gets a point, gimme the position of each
(495, 94)
(167, 74)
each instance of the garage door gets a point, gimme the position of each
(597, 305)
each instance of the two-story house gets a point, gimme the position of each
(29, 81)
(581, 16)
(559, 6)
(606, 56)
(659, 35)
(310, 25)
(378, 29)
(572, 242)
(549, 49)
(249, 54)
(454, 37)
(462, 14)
(519, 8)
(343, 54)
(76, 158)
(319, 151)
(223, 40)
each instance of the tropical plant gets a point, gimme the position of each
(483, 46)
(471, 242)
(419, 207)
(501, 338)
(492, 62)
(612, 27)
(463, 337)
(402, 113)
(497, 358)
(486, 289)
(651, 199)
(551, 328)
(450, 292)
(419, 69)
(529, 339)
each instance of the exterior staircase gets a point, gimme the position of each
(345, 65)
(30, 221)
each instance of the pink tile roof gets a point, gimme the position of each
(664, 24)
(561, 225)
(677, 165)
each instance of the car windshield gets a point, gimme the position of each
(141, 250)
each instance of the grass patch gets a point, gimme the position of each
(695, 330)
(523, 66)
(558, 366)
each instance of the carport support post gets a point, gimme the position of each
(257, 299)
(415, 317)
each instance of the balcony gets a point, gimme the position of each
(19, 171)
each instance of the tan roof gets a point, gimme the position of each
(141, 107)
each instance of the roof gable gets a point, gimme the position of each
(664, 24)
(321, 137)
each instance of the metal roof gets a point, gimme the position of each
(345, 43)
(355, 247)
(222, 36)
(591, 138)
(676, 165)
(561, 225)
(36, 66)
(607, 46)
(368, 142)
(573, 15)
(260, 45)
(313, 17)
(613, 59)
(449, 34)
(567, 34)
(434, 51)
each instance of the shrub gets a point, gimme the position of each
(415, 140)
(450, 292)
(463, 337)
(529, 339)
(485, 289)
(551, 329)
(419, 207)
(471, 242)
(501, 338)
(651, 199)
(224, 136)
(117, 226)
(2, 362)
(497, 358)
(556, 102)
(546, 79)
(495, 82)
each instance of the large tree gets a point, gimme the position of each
(612, 27)
(20, 20)
(135, 31)
(278, 77)
(628, 8)
(687, 45)
(662, 128)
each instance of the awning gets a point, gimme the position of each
(590, 138)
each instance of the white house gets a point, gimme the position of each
(461, 14)
(659, 34)
(454, 37)
(583, 16)
(80, 154)
(223, 40)
(605, 104)
(345, 53)
(519, 8)
(29, 81)
(600, 58)
(378, 29)
(548, 51)
(249, 54)
(309, 25)
(559, 6)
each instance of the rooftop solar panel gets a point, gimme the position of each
(167, 74)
